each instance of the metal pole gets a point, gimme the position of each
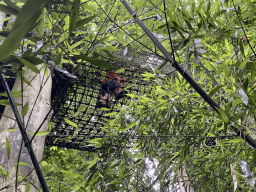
(191, 81)
(25, 136)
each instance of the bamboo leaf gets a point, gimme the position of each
(223, 115)
(241, 46)
(94, 161)
(121, 173)
(8, 147)
(24, 109)
(49, 125)
(7, 102)
(10, 130)
(120, 70)
(97, 62)
(34, 60)
(82, 108)
(215, 89)
(133, 51)
(71, 123)
(29, 65)
(253, 71)
(74, 16)
(84, 21)
(11, 4)
(40, 133)
(27, 187)
(41, 24)
(23, 163)
(8, 10)
(57, 59)
(244, 63)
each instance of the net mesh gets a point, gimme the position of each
(86, 93)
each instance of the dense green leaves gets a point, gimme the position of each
(168, 126)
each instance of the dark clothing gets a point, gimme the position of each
(111, 85)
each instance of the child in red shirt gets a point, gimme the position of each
(111, 85)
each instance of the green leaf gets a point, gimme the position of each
(29, 65)
(120, 70)
(109, 54)
(245, 84)
(252, 100)
(97, 62)
(82, 108)
(134, 53)
(215, 89)
(46, 71)
(40, 133)
(129, 126)
(27, 187)
(105, 109)
(109, 48)
(57, 59)
(244, 63)
(11, 43)
(149, 75)
(109, 114)
(71, 123)
(24, 22)
(254, 158)
(23, 163)
(96, 140)
(30, 11)
(49, 125)
(7, 102)
(24, 109)
(75, 133)
(163, 64)
(233, 141)
(11, 4)
(115, 182)
(241, 46)
(41, 24)
(121, 173)
(102, 40)
(8, 147)
(94, 161)
(84, 21)
(227, 45)
(10, 130)
(15, 94)
(32, 59)
(131, 95)
(74, 16)
(8, 10)
(223, 115)
(253, 71)
(188, 24)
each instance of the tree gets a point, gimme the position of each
(33, 89)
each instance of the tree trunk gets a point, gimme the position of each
(38, 96)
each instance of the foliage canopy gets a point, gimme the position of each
(168, 126)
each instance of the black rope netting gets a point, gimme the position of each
(87, 93)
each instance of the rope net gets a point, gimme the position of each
(88, 94)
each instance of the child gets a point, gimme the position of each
(111, 85)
